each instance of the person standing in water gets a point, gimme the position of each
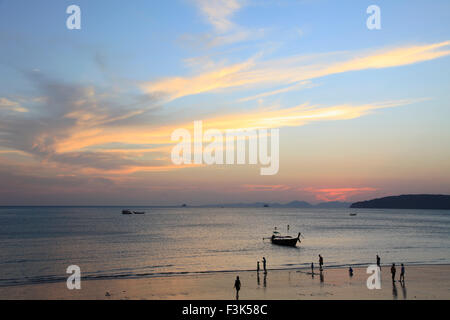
(320, 263)
(237, 286)
(312, 267)
(378, 261)
(257, 266)
(350, 271)
(393, 271)
(402, 274)
(264, 264)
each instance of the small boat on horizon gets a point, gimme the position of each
(139, 212)
(126, 212)
(353, 214)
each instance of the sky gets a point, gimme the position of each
(86, 116)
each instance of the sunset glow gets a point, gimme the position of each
(361, 113)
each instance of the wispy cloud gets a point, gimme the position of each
(219, 12)
(268, 118)
(262, 187)
(293, 69)
(7, 104)
(297, 86)
(65, 110)
(84, 130)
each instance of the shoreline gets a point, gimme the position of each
(422, 282)
(62, 279)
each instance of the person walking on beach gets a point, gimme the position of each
(320, 263)
(378, 261)
(350, 271)
(393, 271)
(312, 267)
(264, 264)
(402, 274)
(257, 267)
(237, 286)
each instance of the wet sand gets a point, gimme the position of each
(422, 282)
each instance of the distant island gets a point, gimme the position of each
(410, 201)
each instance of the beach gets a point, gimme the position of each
(196, 253)
(422, 282)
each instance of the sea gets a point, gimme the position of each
(38, 244)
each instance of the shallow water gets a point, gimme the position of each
(37, 244)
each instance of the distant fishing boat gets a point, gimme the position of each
(126, 212)
(353, 214)
(139, 212)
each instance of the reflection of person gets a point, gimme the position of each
(404, 290)
(402, 273)
(237, 286)
(394, 291)
(393, 271)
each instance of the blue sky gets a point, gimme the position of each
(76, 104)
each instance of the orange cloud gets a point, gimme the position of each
(268, 118)
(337, 194)
(130, 138)
(293, 69)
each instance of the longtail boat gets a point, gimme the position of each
(280, 240)
(285, 240)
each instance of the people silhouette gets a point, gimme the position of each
(350, 271)
(378, 261)
(320, 263)
(312, 268)
(402, 274)
(237, 286)
(393, 271)
(257, 266)
(264, 264)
